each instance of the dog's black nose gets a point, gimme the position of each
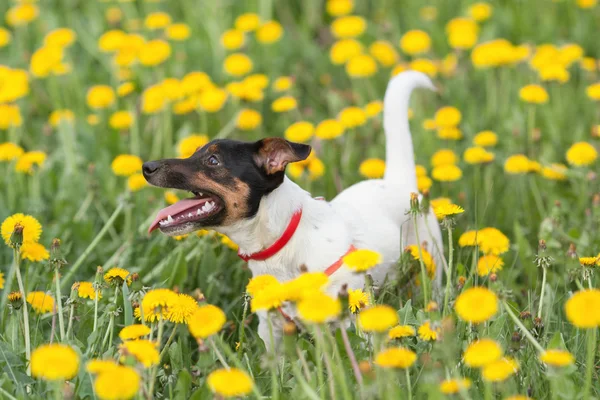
(150, 168)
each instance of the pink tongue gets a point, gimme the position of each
(174, 209)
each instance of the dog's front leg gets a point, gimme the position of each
(270, 331)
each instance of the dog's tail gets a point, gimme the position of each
(400, 160)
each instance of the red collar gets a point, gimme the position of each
(279, 243)
(284, 239)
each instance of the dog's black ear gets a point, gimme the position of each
(273, 154)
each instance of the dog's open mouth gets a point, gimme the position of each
(186, 213)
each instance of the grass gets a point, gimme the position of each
(101, 222)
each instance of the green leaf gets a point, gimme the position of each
(128, 311)
(184, 385)
(176, 357)
(406, 316)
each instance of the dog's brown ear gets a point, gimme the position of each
(273, 154)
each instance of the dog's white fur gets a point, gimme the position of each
(370, 214)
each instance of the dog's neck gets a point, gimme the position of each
(273, 216)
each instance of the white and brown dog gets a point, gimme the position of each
(240, 189)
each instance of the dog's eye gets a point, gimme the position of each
(213, 160)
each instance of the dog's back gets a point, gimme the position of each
(375, 210)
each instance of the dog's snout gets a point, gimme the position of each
(150, 167)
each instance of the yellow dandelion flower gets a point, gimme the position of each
(588, 261)
(132, 332)
(557, 358)
(99, 366)
(318, 308)
(583, 309)
(476, 305)
(485, 139)
(478, 155)
(357, 299)
(449, 133)
(446, 173)
(305, 284)
(489, 264)
(119, 383)
(54, 362)
(348, 26)
(237, 64)
(126, 165)
(156, 304)
(259, 283)
(22, 14)
(300, 131)
(283, 104)
(446, 210)
(500, 370)
(269, 32)
(593, 91)
(157, 20)
(229, 382)
(154, 52)
(85, 290)
(377, 318)
(247, 22)
(117, 276)
(534, 94)
(517, 164)
(374, 108)
(384, 52)
(100, 96)
(212, 100)
(233, 39)
(206, 321)
(415, 42)
(351, 117)
(329, 129)
(427, 258)
(40, 302)
(447, 117)
(361, 66)
(482, 352)
(10, 151)
(25, 163)
(338, 8)
(34, 252)
(555, 172)
(343, 50)
(453, 386)
(444, 157)
(426, 332)
(424, 183)
(248, 119)
(492, 241)
(362, 260)
(136, 182)
(396, 357)
(182, 309)
(121, 120)
(581, 154)
(425, 66)
(190, 144)
(144, 351)
(32, 229)
(178, 31)
(59, 116)
(480, 11)
(282, 83)
(272, 296)
(401, 331)
(372, 168)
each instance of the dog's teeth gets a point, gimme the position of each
(205, 207)
(161, 223)
(198, 212)
(190, 215)
(169, 219)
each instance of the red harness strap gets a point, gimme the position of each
(336, 265)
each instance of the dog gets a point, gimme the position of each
(240, 189)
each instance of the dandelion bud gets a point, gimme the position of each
(432, 306)
(365, 367)
(525, 315)
(414, 201)
(542, 245)
(56, 259)
(462, 197)
(516, 337)
(536, 135)
(16, 300)
(68, 391)
(289, 329)
(136, 277)
(16, 238)
(176, 289)
(493, 277)
(557, 203)
(425, 203)
(572, 252)
(198, 295)
(591, 176)
(461, 282)
(596, 200)
(537, 322)
(596, 131)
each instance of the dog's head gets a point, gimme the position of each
(228, 178)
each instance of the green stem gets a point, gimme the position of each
(544, 273)
(61, 317)
(238, 364)
(273, 366)
(589, 368)
(70, 326)
(242, 329)
(449, 276)
(408, 387)
(169, 340)
(424, 276)
(525, 331)
(218, 353)
(95, 309)
(17, 260)
(161, 326)
(95, 242)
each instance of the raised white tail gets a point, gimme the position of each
(399, 152)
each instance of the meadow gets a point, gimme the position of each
(92, 307)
